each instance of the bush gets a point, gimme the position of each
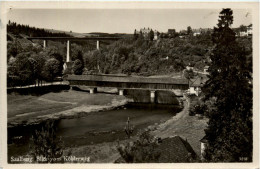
(77, 67)
(198, 108)
(141, 151)
(46, 144)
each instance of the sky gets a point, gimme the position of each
(123, 20)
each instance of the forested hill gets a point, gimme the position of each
(16, 29)
(152, 57)
(163, 56)
(132, 56)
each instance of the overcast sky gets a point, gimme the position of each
(123, 20)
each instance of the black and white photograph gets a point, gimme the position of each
(168, 83)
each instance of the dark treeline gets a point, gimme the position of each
(13, 27)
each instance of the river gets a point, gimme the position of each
(96, 127)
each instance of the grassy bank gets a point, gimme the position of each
(29, 109)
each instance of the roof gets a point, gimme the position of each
(204, 139)
(175, 149)
(127, 79)
(171, 30)
(172, 150)
(198, 82)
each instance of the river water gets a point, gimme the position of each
(96, 127)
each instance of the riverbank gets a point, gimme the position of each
(97, 132)
(28, 109)
(190, 128)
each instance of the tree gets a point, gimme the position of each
(144, 150)
(51, 69)
(77, 67)
(151, 35)
(13, 48)
(23, 66)
(242, 28)
(158, 34)
(79, 56)
(12, 76)
(135, 35)
(14, 28)
(37, 65)
(229, 130)
(141, 35)
(189, 30)
(171, 33)
(54, 52)
(58, 57)
(188, 74)
(46, 144)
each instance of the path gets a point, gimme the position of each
(188, 127)
(43, 84)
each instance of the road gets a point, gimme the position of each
(188, 127)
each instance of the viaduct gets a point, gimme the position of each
(69, 39)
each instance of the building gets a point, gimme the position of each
(171, 150)
(156, 35)
(67, 66)
(200, 31)
(250, 30)
(247, 32)
(243, 33)
(206, 68)
(196, 32)
(171, 32)
(203, 147)
(146, 31)
(189, 67)
(175, 150)
(196, 84)
(183, 32)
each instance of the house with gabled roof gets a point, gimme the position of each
(171, 150)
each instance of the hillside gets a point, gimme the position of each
(152, 57)
(74, 34)
(160, 57)
(91, 34)
(15, 28)
(165, 56)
